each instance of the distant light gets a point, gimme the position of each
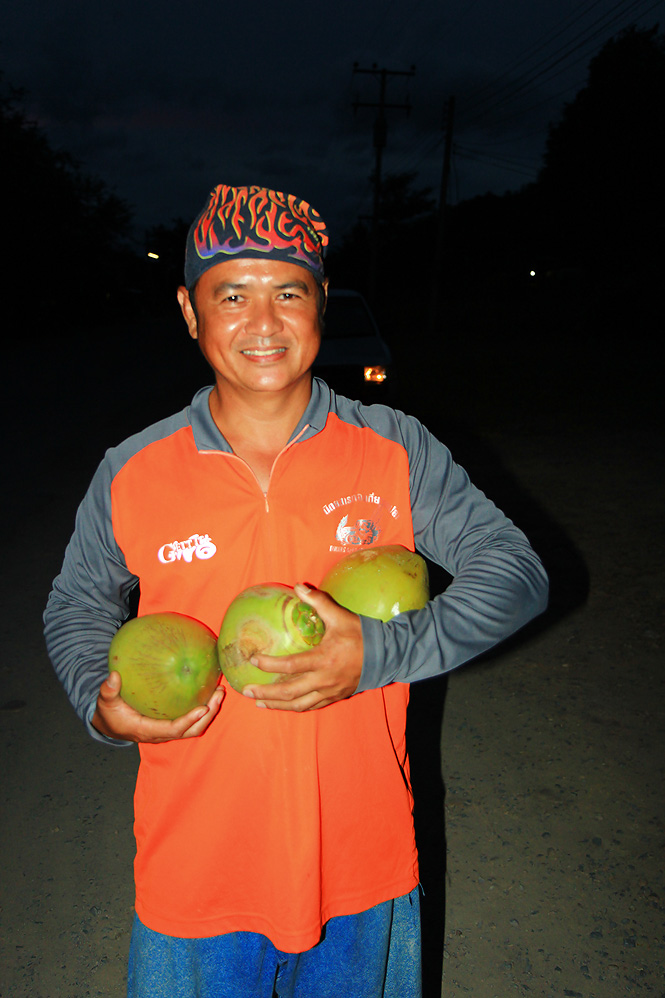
(154, 256)
(377, 373)
(532, 273)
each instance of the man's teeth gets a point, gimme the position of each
(264, 353)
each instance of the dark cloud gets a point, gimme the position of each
(162, 101)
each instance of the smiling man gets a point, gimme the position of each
(275, 846)
(257, 325)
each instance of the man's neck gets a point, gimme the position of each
(261, 421)
(258, 426)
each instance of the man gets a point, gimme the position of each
(275, 846)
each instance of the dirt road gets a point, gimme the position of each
(540, 796)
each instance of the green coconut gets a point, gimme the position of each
(379, 581)
(264, 620)
(167, 662)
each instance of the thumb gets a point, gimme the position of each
(322, 602)
(111, 686)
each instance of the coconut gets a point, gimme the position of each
(167, 662)
(379, 581)
(264, 620)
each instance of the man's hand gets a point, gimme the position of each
(116, 719)
(329, 672)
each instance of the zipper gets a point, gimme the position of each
(283, 451)
(250, 469)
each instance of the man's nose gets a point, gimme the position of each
(264, 319)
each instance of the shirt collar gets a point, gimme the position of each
(208, 437)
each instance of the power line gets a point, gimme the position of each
(507, 93)
(523, 111)
(512, 102)
(411, 160)
(525, 79)
(506, 163)
(525, 57)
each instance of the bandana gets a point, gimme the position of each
(254, 222)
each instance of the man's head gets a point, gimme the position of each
(254, 292)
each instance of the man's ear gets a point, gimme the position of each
(188, 312)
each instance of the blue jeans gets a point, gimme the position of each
(375, 954)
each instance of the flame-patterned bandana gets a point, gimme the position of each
(254, 222)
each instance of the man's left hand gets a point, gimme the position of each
(320, 676)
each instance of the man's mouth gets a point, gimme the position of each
(267, 352)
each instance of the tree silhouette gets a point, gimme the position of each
(65, 229)
(406, 229)
(601, 182)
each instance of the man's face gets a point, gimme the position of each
(257, 323)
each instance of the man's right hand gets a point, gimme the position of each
(116, 719)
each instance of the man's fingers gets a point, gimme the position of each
(115, 718)
(290, 665)
(189, 725)
(202, 722)
(298, 677)
(289, 689)
(309, 701)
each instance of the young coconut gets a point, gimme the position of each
(379, 581)
(167, 662)
(264, 620)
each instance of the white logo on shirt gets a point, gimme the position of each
(364, 521)
(198, 545)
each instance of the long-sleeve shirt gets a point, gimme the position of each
(273, 821)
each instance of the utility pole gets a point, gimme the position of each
(380, 137)
(443, 194)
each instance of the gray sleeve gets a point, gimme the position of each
(498, 584)
(88, 602)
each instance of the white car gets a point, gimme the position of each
(353, 352)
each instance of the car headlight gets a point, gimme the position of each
(377, 373)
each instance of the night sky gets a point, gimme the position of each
(162, 101)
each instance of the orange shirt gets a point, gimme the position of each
(272, 822)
